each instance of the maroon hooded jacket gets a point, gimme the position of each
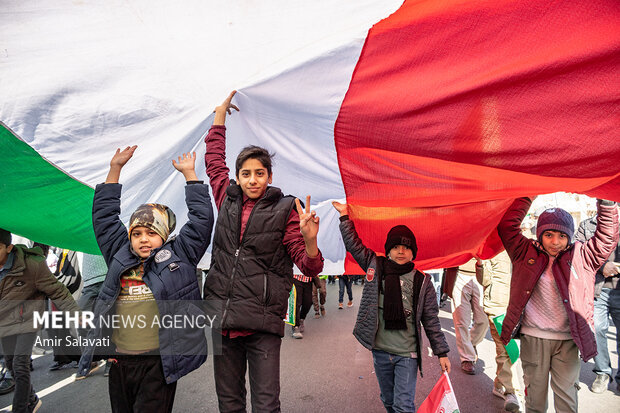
(574, 270)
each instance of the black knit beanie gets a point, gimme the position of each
(401, 235)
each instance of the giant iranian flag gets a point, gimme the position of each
(435, 114)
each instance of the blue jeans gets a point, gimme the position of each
(344, 281)
(608, 303)
(397, 378)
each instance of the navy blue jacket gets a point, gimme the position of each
(172, 280)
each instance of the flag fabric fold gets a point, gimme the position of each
(441, 399)
(431, 114)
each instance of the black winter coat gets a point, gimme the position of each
(170, 273)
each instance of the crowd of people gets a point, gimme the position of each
(555, 293)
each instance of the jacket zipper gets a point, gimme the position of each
(518, 325)
(234, 270)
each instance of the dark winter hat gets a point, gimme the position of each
(555, 219)
(5, 237)
(401, 235)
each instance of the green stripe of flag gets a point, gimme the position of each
(40, 202)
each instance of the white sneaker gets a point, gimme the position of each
(297, 333)
(512, 403)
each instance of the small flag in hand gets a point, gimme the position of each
(441, 399)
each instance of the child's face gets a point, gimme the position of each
(5, 250)
(253, 178)
(401, 254)
(554, 242)
(144, 240)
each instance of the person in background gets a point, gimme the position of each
(303, 286)
(606, 304)
(25, 282)
(345, 281)
(495, 280)
(467, 305)
(94, 270)
(319, 295)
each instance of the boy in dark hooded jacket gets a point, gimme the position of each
(396, 300)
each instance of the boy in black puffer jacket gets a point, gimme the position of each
(396, 300)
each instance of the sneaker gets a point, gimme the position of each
(57, 365)
(323, 310)
(94, 366)
(340, 307)
(35, 405)
(499, 392)
(297, 333)
(7, 385)
(468, 367)
(301, 326)
(108, 365)
(350, 304)
(512, 403)
(317, 315)
(600, 383)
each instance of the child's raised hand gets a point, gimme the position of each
(120, 158)
(185, 161)
(225, 107)
(185, 165)
(308, 221)
(342, 208)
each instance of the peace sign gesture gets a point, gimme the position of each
(309, 226)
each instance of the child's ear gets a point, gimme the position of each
(237, 180)
(9, 248)
(270, 178)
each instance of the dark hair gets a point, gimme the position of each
(5, 237)
(254, 152)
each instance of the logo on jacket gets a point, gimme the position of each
(19, 283)
(531, 261)
(162, 256)
(370, 274)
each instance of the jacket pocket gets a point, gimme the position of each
(266, 294)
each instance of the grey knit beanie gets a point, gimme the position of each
(555, 219)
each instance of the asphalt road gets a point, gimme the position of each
(326, 371)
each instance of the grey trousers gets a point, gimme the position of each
(541, 358)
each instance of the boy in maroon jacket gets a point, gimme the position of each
(259, 234)
(552, 298)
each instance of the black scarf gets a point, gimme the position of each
(393, 311)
